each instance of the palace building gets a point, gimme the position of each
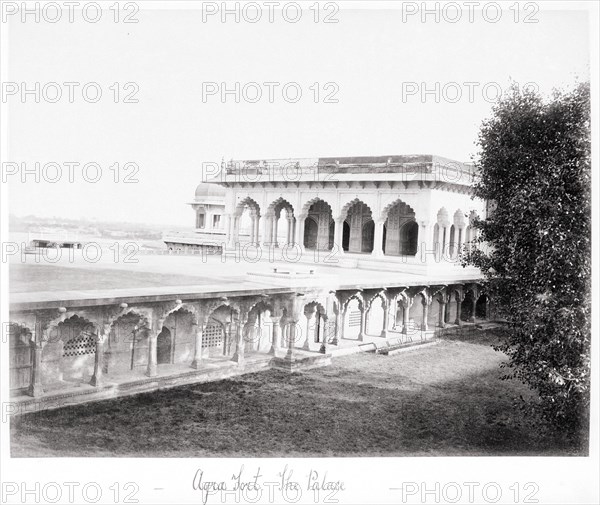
(289, 263)
(413, 212)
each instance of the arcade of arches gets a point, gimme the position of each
(396, 232)
(54, 348)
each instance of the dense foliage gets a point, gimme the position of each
(535, 245)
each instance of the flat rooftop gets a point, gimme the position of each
(74, 282)
(414, 167)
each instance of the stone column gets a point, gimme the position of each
(291, 240)
(96, 379)
(448, 304)
(474, 308)
(252, 226)
(239, 355)
(422, 239)
(339, 234)
(35, 386)
(289, 234)
(442, 323)
(268, 230)
(152, 370)
(378, 240)
(256, 238)
(197, 361)
(323, 348)
(439, 243)
(405, 316)
(458, 320)
(276, 338)
(275, 240)
(300, 230)
(309, 318)
(386, 320)
(291, 337)
(424, 325)
(339, 324)
(363, 323)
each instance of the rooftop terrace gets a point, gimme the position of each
(376, 168)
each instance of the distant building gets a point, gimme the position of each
(53, 237)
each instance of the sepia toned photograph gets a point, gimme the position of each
(299, 252)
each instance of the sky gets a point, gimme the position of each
(376, 63)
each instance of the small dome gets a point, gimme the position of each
(207, 190)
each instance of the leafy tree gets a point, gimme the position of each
(535, 245)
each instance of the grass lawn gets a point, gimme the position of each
(445, 400)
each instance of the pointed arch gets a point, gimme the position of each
(318, 233)
(359, 230)
(401, 229)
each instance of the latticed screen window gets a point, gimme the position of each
(82, 344)
(212, 336)
(354, 318)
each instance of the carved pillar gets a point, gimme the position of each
(405, 315)
(337, 328)
(363, 322)
(459, 300)
(300, 231)
(257, 231)
(473, 308)
(424, 325)
(291, 339)
(386, 320)
(339, 234)
(440, 241)
(268, 230)
(323, 348)
(378, 240)
(197, 361)
(96, 379)
(293, 225)
(152, 370)
(290, 231)
(276, 337)
(447, 306)
(35, 386)
(239, 355)
(309, 317)
(275, 225)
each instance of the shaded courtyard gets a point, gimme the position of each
(442, 400)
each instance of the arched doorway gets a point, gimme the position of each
(280, 223)
(246, 222)
(409, 237)
(346, 236)
(359, 229)
(401, 230)
(164, 344)
(319, 227)
(368, 236)
(311, 233)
